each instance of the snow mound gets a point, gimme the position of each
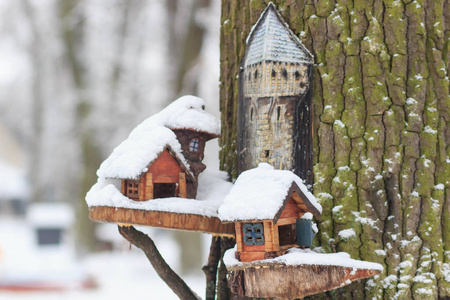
(187, 112)
(296, 256)
(259, 193)
(106, 192)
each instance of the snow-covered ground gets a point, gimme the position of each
(122, 274)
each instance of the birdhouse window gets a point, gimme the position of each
(165, 190)
(287, 234)
(193, 145)
(132, 189)
(253, 234)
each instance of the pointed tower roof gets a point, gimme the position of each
(272, 40)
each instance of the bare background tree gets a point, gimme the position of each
(87, 73)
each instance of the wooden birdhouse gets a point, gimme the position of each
(267, 207)
(275, 99)
(167, 176)
(152, 177)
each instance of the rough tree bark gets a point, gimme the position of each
(381, 131)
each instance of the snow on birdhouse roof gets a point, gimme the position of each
(260, 193)
(130, 159)
(271, 40)
(188, 112)
(213, 185)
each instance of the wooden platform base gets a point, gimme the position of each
(161, 219)
(291, 282)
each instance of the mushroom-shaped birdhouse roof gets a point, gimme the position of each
(131, 158)
(272, 40)
(263, 192)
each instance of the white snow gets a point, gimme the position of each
(271, 39)
(428, 129)
(51, 214)
(121, 274)
(339, 123)
(337, 208)
(380, 252)
(439, 186)
(131, 158)
(258, 194)
(212, 189)
(411, 101)
(187, 112)
(296, 256)
(347, 233)
(13, 184)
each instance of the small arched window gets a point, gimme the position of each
(278, 113)
(274, 73)
(193, 145)
(251, 114)
(297, 75)
(284, 73)
(256, 74)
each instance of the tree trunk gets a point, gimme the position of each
(71, 24)
(381, 105)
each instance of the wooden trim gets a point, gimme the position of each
(148, 186)
(238, 230)
(160, 219)
(182, 165)
(286, 221)
(276, 238)
(268, 236)
(285, 247)
(306, 203)
(123, 187)
(142, 188)
(182, 185)
(251, 256)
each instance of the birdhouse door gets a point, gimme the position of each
(305, 233)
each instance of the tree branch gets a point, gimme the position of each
(210, 269)
(146, 244)
(223, 292)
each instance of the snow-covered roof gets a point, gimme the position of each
(131, 158)
(271, 40)
(187, 112)
(260, 194)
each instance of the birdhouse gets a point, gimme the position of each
(152, 177)
(267, 206)
(275, 99)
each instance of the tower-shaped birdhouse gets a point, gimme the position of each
(275, 99)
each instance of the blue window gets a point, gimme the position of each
(193, 145)
(253, 234)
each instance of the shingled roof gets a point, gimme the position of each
(272, 40)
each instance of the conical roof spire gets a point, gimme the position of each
(272, 40)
